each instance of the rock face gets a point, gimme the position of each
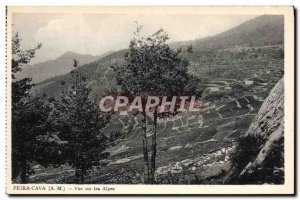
(270, 117)
(269, 125)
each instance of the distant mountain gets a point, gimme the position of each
(260, 31)
(59, 66)
(98, 73)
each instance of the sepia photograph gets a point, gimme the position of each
(150, 100)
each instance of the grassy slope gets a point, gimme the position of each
(225, 114)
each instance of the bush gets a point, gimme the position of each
(246, 150)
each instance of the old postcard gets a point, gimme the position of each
(150, 100)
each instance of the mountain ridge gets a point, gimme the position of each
(261, 25)
(253, 32)
(61, 65)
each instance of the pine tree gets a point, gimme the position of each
(33, 140)
(153, 68)
(80, 125)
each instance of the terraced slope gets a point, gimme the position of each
(235, 80)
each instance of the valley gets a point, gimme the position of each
(234, 80)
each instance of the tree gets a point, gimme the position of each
(20, 88)
(80, 125)
(32, 138)
(190, 49)
(153, 68)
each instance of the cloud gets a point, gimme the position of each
(99, 33)
(68, 26)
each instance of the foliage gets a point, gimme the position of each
(152, 68)
(33, 140)
(80, 125)
(20, 88)
(21, 57)
(246, 150)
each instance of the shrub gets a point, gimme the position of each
(246, 150)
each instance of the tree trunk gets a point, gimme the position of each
(82, 175)
(145, 151)
(24, 178)
(77, 175)
(153, 147)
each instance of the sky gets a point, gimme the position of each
(99, 33)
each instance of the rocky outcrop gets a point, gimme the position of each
(269, 119)
(269, 125)
(207, 165)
